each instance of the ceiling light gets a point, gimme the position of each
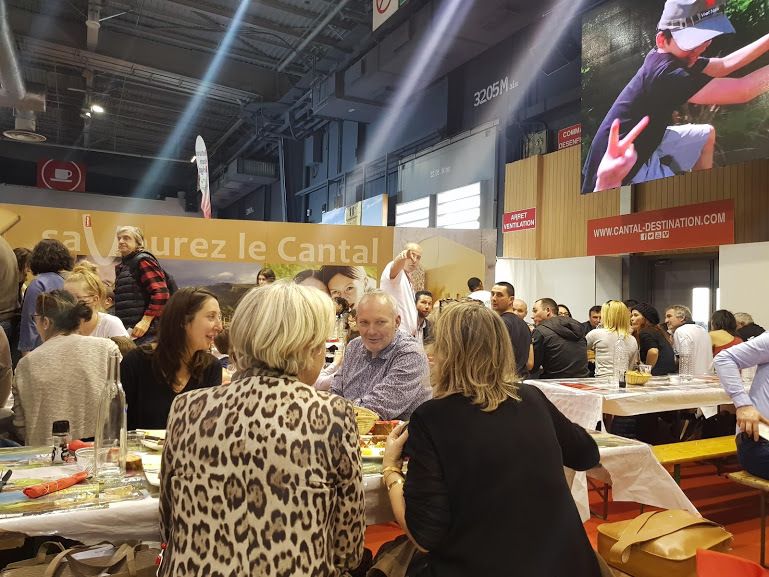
(193, 159)
(88, 113)
(350, 110)
(97, 108)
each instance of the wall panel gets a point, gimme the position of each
(562, 213)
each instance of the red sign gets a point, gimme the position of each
(570, 136)
(519, 220)
(692, 226)
(60, 175)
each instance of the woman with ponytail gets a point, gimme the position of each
(60, 380)
(85, 285)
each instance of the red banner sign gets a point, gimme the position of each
(692, 226)
(519, 220)
(570, 136)
(61, 175)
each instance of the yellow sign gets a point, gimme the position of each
(93, 233)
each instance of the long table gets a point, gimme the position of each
(629, 465)
(584, 401)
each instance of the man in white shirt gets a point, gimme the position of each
(678, 318)
(475, 285)
(396, 282)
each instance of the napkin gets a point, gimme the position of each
(36, 491)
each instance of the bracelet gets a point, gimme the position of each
(398, 481)
(392, 469)
(388, 473)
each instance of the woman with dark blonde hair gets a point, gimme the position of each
(180, 361)
(348, 282)
(485, 486)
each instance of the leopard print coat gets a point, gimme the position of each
(261, 477)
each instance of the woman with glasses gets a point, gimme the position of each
(85, 285)
(62, 378)
(179, 361)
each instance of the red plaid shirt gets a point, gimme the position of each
(153, 281)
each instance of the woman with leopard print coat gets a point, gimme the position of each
(262, 476)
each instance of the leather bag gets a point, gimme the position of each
(123, 561)
(660, 543)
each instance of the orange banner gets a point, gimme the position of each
(692, 226)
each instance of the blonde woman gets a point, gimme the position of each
(485, 486)
(85, 285)
(615, 321)
(265, 470)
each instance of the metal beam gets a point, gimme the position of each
(248, 20)
(79, 59)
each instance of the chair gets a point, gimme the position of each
(715, 564)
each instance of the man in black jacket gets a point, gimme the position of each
(746, 328)
(560, 350)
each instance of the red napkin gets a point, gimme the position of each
(36, 491)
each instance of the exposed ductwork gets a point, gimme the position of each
(13, 93)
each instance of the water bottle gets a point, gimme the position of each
(685, 369)
(620, 361)
(111, 427)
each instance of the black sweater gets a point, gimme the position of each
(486, 492)
(148, 399)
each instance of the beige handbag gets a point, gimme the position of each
(660, 543)
(124, 561)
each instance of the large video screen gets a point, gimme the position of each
(672, 87)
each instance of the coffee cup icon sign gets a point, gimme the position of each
(62, 175)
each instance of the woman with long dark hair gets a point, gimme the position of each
(179, 361)
(348, 282)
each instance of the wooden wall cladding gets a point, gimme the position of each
(747, 184)
(551, 183)
(522, 182)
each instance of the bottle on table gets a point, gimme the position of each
(619, 362)
(61, 439)
(685, 369)
(110, 440)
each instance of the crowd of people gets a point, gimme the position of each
(274, 451)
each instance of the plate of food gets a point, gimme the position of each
(372, 447)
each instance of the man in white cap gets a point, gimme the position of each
(635, 142)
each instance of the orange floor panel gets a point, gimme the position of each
(718, 499)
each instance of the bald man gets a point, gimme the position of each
(383, 370)
(520, 308)
(396, 281)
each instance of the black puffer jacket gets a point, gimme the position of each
(131, 300)
(560, 350)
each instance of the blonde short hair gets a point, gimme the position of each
(473, 356)
(135, 232)
(85, 274)
(278, 325)
(615, 317)
(382, 298)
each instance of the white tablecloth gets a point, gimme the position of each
(140, 519)
(585, 400)
(635, 475)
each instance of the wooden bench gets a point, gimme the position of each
(745, 478)
(690, 451)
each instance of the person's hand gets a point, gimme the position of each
(403, 255)
(393, 454)
(620, 156)
(748, 418)
(141, 328)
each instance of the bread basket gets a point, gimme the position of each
(637, 378)
(365, 419)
